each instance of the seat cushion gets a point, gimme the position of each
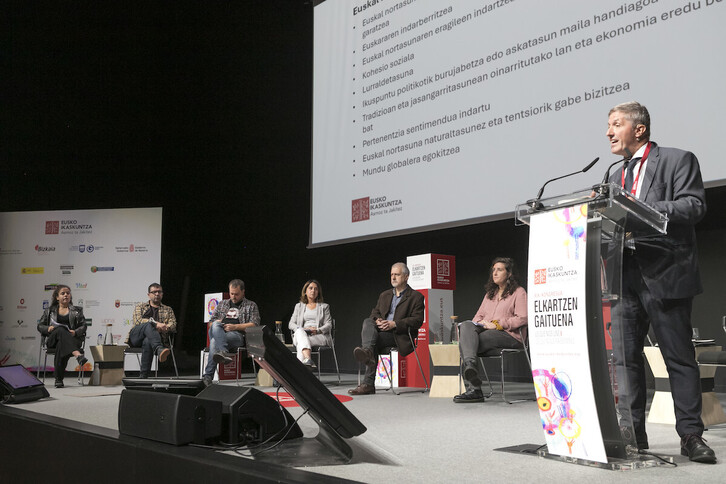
(712, 358)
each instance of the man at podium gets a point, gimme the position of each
(660, 275)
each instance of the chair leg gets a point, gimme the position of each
(173, 360)
(486, 375)
(337, 370)
(423, 375)
(504, 395)
(388, 374)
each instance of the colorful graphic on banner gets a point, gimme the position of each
(558, 334)
(107, 257)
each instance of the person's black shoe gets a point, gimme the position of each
(82, 360)
(207, 380)
(364, 355)
(471, 374)
(220, 357)
(143, 375)
(59, 384)
(696, 449)
(471, 396)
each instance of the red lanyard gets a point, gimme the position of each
(634, 188)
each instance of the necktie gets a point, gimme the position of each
(629, 168)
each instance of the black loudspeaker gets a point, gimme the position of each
(18, 385)
(174, 419)
(250, 416)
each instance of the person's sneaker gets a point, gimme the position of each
(143, 375)
(222, 358)
(696, 449)
(363, 389)
(363, 355)
(164, 354)
(308, 362)
(207, 380)
(59, 384)
(471, 396)
(82, 360)
(471, 374)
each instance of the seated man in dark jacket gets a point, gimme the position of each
(398, 313)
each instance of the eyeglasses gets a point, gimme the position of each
(159, 291)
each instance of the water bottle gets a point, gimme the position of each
(454, 329)
(99, 340)
(278, 331)
(108, 337)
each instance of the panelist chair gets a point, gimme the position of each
(504, 354)
(387, 351)
(44, 350)
(317, 350)
(241, 354)
(713, 358)
(137, 352)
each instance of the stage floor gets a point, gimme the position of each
(414, 438)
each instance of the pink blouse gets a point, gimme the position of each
(510, 312)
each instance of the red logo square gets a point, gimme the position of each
(540, 276)
(361, 209)
(52, 227)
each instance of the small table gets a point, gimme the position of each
(661, 409)
(108, 367)
(445, 382)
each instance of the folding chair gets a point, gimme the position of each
(387, 351)
(137, 352)
(316, 350)
(501, 354)
(51, 351)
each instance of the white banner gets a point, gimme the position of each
(107, 257)
(558, 334)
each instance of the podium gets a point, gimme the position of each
(575, 261)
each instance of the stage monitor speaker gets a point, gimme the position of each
(171, 418)
(250, 416)
(18, 385)
(182, 386)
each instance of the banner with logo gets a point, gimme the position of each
(558, 334)
(107, 257)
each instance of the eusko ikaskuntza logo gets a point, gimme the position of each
(52, 227)
(361, 209)
(365, 208)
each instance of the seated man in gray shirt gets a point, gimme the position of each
(229, 321)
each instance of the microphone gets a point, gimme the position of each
(628, 155)
(535, 203)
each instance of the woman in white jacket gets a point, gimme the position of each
(310, 322)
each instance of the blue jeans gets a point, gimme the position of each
(221, 340)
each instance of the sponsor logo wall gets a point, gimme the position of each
(107, 258)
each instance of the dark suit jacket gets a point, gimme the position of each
(672, 184)
(409, 316)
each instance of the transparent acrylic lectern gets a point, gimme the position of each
(612, 217)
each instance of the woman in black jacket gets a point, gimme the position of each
(65, 328)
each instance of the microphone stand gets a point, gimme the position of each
(535, 203)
